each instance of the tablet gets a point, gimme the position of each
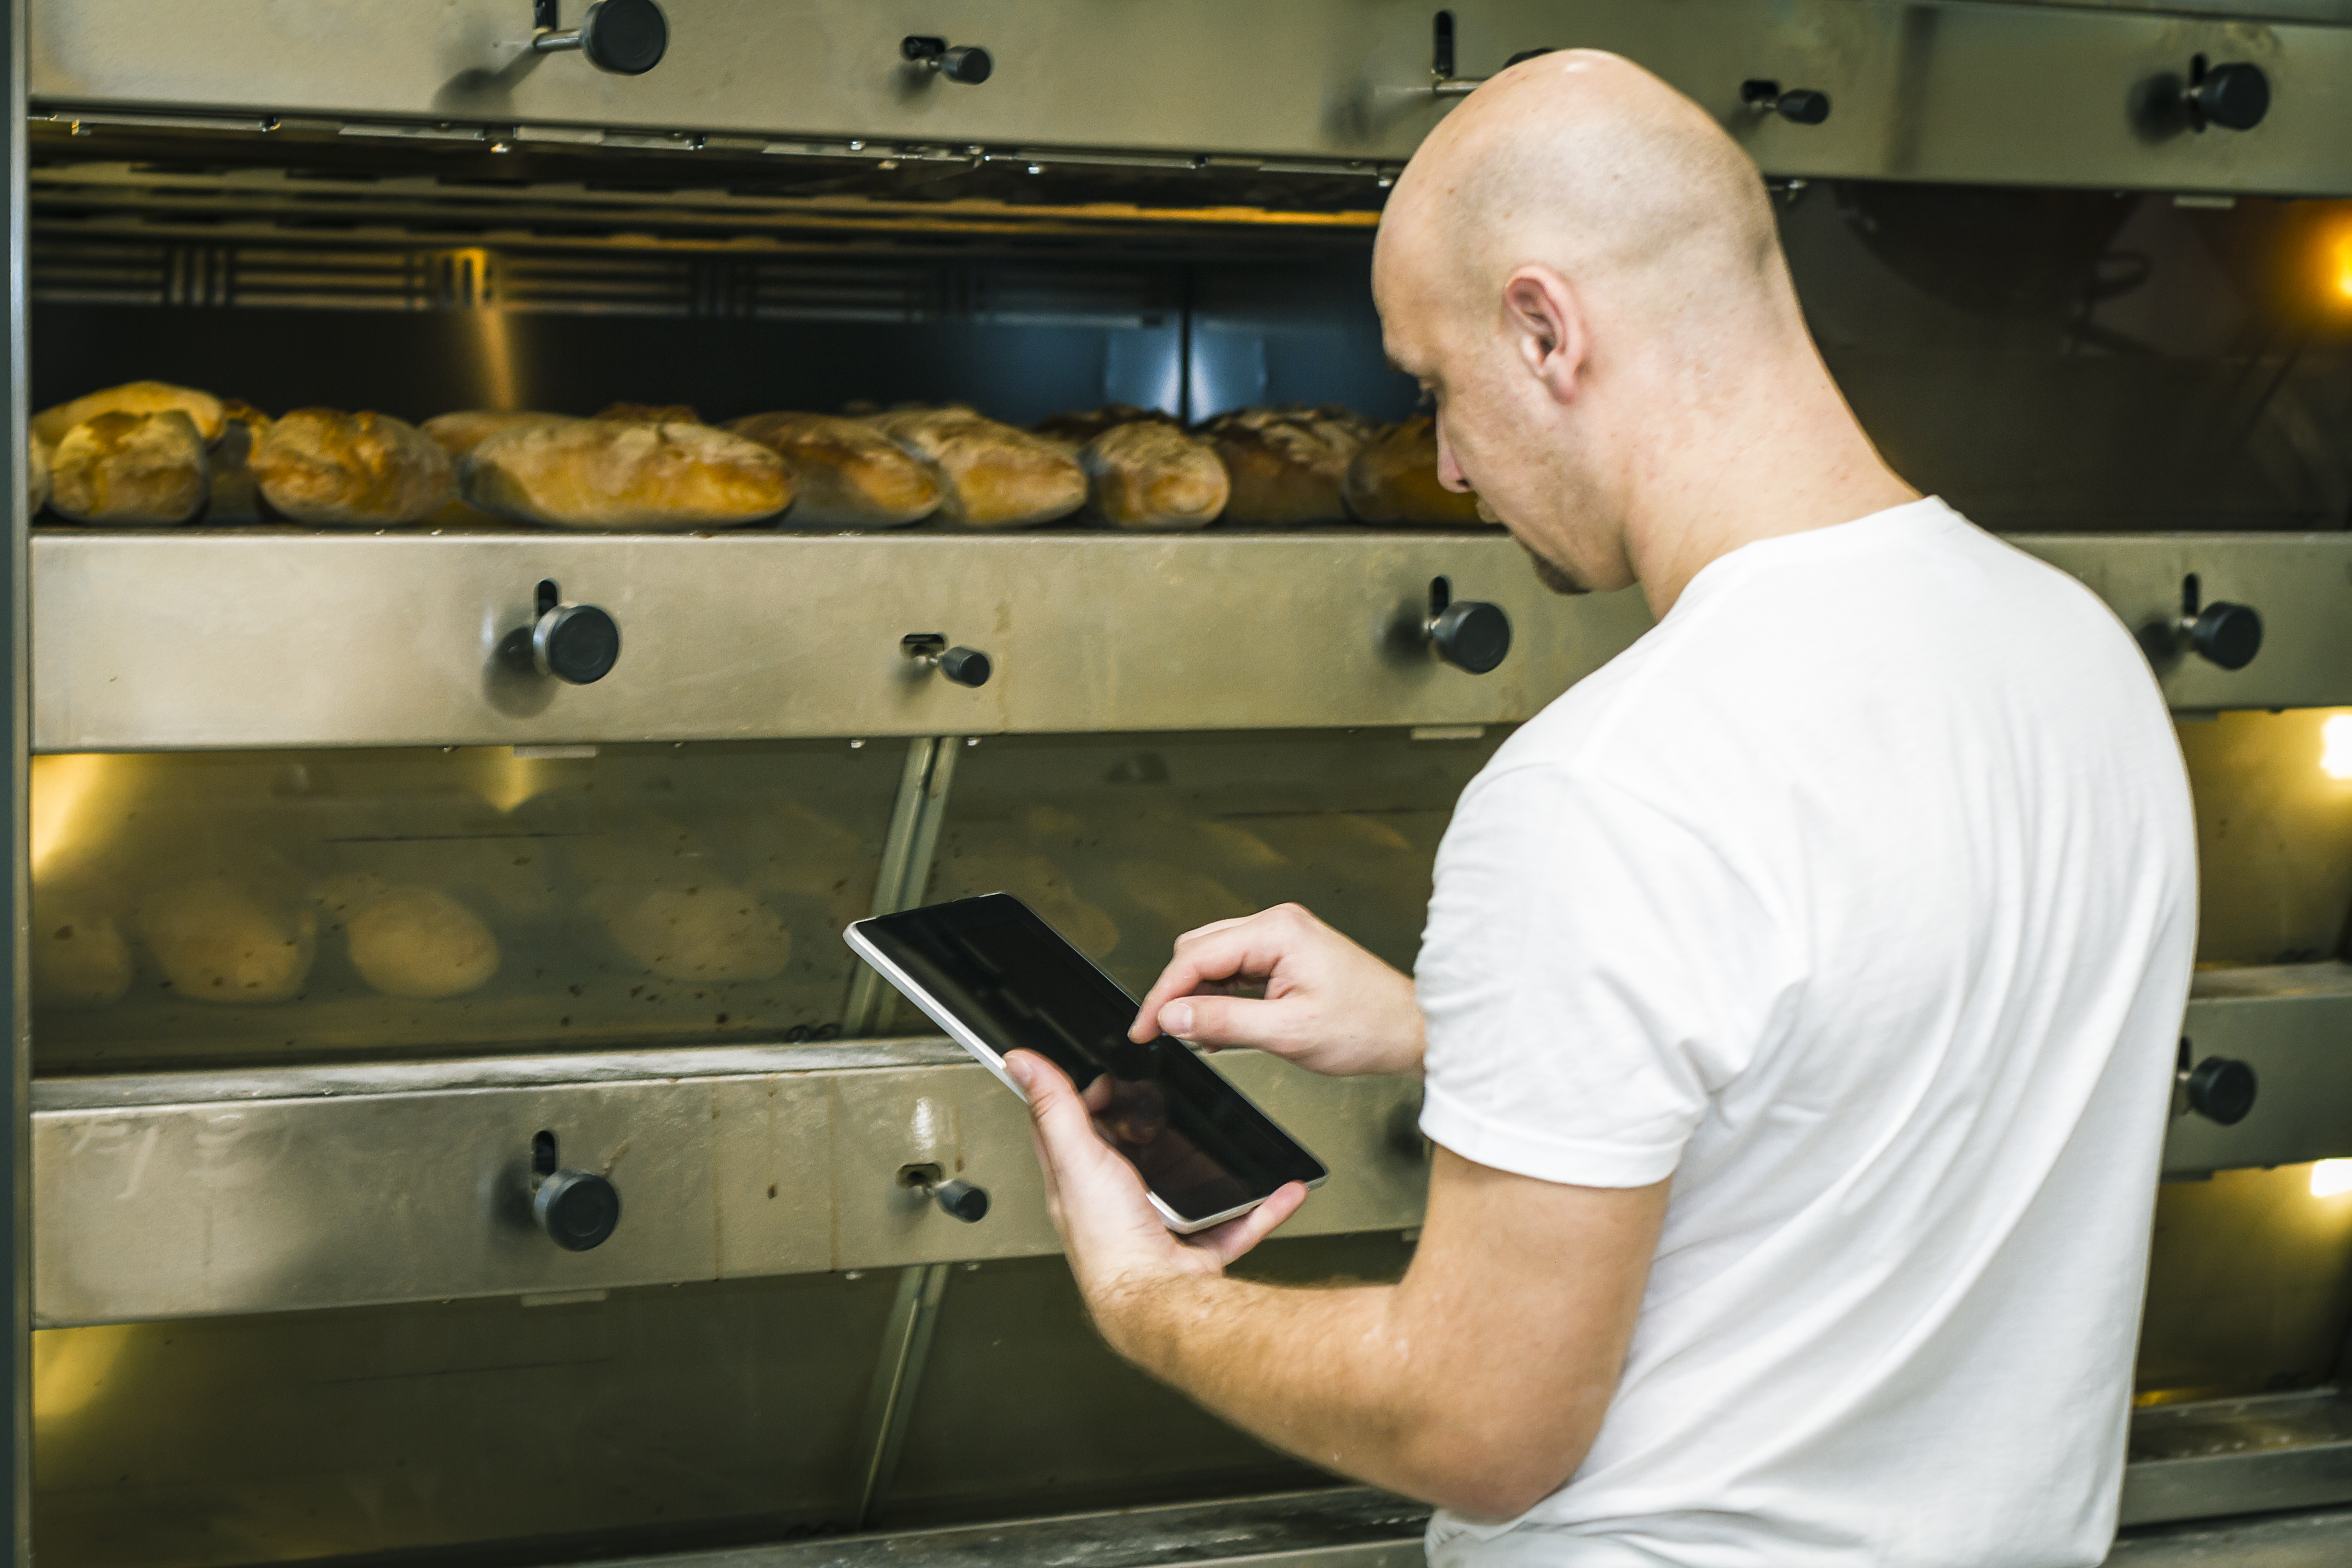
(999, 979)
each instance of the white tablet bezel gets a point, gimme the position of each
(955, 1030)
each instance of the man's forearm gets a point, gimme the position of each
(1320, 1374)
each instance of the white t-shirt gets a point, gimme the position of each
(1858, 897)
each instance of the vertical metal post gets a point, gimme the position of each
(16, 1120)
(906, 1345)
(907, 849)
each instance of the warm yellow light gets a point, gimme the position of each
(2331, 1177)
(2344, 265)
(61, 790)
(507, 780)
(2336, 747)
(70, 1367)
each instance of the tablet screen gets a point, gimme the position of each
(994, 966)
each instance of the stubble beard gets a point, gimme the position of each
(1550, 573)
(1555, 577)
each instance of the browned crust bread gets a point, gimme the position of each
(1080, 427)
(51, 425)
(1148, 476)
(998, 477)
(461, 430)
(459, 433)
(37, 476)
(236, 494)
(1393, 480)
(1287, 465)
(123, 467)
(621, 475)
(365, 469)
(845, 473)
(651, 413)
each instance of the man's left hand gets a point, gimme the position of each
(1120, 1247)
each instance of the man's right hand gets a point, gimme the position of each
(1329, 1005)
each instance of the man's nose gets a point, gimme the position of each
(1449, 472)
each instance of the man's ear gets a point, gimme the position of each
(1540, 313)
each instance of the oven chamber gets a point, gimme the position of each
(287, 1299)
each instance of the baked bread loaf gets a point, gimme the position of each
(37, 476)
(364, 470)
(845, 473)
(460, 432)
(1287, 465)
(1084, 426)
(51, 425)
(997, 476)
(1148, 475)
(123, 467)
(624, 474)
(1393, 480)
(651, 413)
(228, 467)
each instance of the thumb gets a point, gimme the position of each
(1215, 1021)
(1064, 1130)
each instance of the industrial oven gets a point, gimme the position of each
(284, 1289)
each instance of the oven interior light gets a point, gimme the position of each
(63, 788)
(2331, 1177)
(2336, 747)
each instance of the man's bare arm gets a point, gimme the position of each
(1329, 1005)
(1477, 1382)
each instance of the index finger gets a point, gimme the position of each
(1249, 946)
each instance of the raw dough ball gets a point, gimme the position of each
(420, 941)
(1037, 882)
(710, 931)
(217, 941)
(80, 958)
(1185, 900)
(1242, 847)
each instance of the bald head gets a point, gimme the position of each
(1584, 269)
(1585, 162)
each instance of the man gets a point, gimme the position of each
(1800, 992)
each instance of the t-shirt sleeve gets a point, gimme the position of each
(1593, 973)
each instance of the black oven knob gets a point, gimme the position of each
(964, 665)
(578, 1209)
(575, 643)
(627, 38)
(2220, 1089)
(965, 63)
(2224, 634)
(1468, 633)
(2234, 96)
(962, 1199)
(1798, 105)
